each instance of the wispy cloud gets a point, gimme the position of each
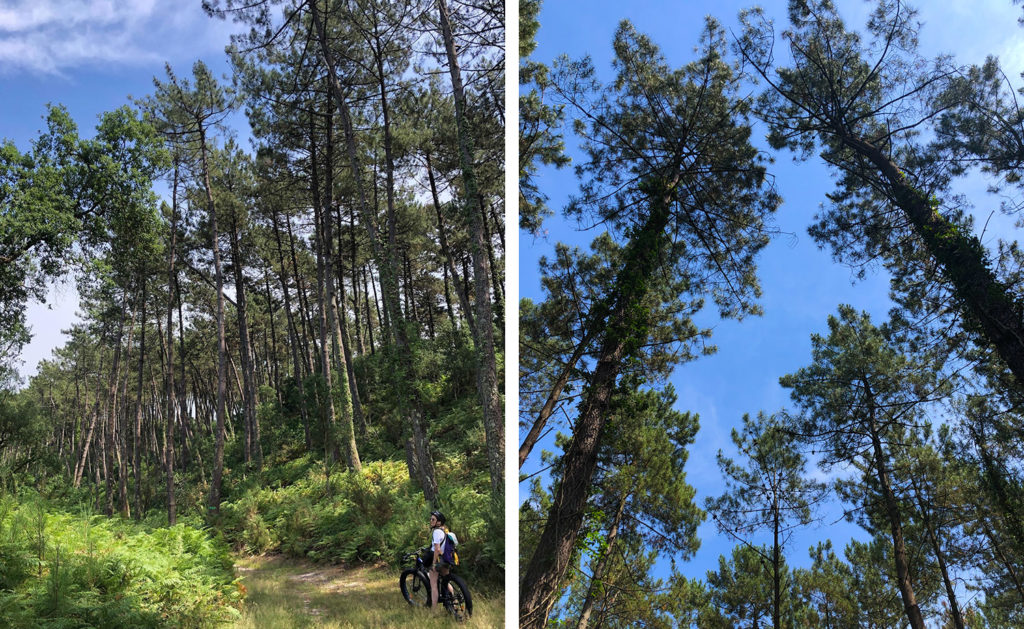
(51, 37)
(955, 26)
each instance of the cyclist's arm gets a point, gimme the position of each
(437, 549)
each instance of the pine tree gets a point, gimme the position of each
(540, 141)
(861, 103)
(859, 399)
(771, 492)
(698, 175)
(193, 109)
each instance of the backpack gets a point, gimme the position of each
(448, 552)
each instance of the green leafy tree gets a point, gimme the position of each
(60, 199)
(643, 497)
(992, 488)
(878, 599)
(826, 589)
(742, 593)
(770, 493)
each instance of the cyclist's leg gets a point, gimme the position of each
(433, 587)
(448, 583)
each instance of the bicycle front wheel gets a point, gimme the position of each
(415, 588)
(459, 603)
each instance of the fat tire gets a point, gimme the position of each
(415, 588)
(460, 590)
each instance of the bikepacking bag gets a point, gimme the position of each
(448, 553)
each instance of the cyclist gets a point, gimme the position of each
(437, 562)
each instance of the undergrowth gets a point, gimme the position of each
(60, 569)
(372, 516)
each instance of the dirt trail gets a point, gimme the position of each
(285, 593)
(324, 580)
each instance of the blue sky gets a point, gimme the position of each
(802, 285)
(90, 55)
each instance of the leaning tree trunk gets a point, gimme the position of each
(1001, 556)
(596, 579)
(540, 585)
(982, 297)
(487, 370)
(449, 261)
(556, 391)
(933, 538)
(346, 340)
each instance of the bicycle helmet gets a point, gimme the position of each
(439, 516)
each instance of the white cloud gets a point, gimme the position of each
(51, 37)
(972, 30)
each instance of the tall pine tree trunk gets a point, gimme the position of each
(222, 354)
(626, 324)
(171, 392)
(293, 331)
(355, 280)
(346, 340)
(137, 433)
(109, 429)
(910, 605)
(954, 606)
(347, 435)
(387, 268)
(487, 371)
(253, 449)
(982, 297)
(369, 313)
(776, 566)
(449, 262)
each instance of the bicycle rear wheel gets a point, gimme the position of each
(415, 588)
(459, 603)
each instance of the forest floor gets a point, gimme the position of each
(285, 593)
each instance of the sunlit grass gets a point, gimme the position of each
(286, 593)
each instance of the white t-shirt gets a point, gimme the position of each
(437, 538)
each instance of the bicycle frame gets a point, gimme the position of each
(442, 579)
